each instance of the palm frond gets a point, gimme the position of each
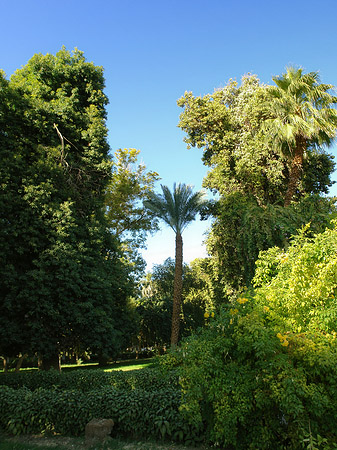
(177, 208)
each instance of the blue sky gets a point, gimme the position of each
(155, 50)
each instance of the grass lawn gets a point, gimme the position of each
(132, 364)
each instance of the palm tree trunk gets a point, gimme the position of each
(178, 285)
(295, 170)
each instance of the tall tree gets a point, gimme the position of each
(227, 126)
(301, 117)
(245, 146)
(177, 209)
(230, 125)
(64, 286)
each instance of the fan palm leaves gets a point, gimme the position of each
(301, 116)
(177, 209)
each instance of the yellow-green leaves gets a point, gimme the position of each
(301, 289)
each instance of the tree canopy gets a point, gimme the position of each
(230, 126)
(63, 284)
(128, 219)
(301, 118)
(248, 134)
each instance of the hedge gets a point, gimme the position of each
(86, 380)
(136, 413)
(142, 404)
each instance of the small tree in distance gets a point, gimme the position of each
(177, 209)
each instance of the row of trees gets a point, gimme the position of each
(262, 373)
(73, 218)
(265, 146)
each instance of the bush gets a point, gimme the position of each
(255, 389)
(142, 403)
(137, 413)
(86, 380)
(263, 373)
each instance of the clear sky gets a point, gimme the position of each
(155, 50)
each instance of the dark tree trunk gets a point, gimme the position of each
(102, 360)
(5, 364)
(51, 362)
(19, 363)
(178, 285)
(295, 170)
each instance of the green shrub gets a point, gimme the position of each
(263, 373)
(136, 413)
(142, 403)
(253, 391)
(86, 380)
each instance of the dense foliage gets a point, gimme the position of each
(128, 220)
(242, 229)
(141, 403)
(86, 379)
(266, 150)
(300, 285)
(262, 374)
(230, 126)
(257, 371)
(63, 285)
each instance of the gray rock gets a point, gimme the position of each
(98, 430)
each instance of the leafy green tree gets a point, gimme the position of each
(301, 116)
(242, 228)
(251, 170)
(230, 126)
(227, 126)
(64, 286)
(177, 209)
(15, 245)
(128, 219)
(129, 186)
(68, 114)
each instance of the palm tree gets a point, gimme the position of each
(177, 210)
(300, 117)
